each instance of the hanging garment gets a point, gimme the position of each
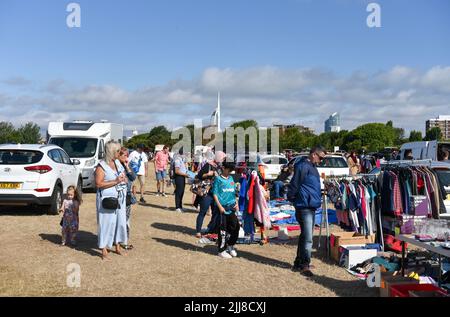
(251, 193)
(243, 193)
(261, 209)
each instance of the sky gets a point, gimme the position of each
(147, 63)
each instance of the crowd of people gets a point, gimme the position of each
(121, 176)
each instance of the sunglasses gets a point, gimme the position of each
(321, 158)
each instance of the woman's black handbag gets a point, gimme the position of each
(110, 203)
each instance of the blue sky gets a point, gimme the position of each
(124, 47)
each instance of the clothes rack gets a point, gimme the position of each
(324, 214)
(425, 162)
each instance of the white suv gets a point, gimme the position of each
(331, 165)
(36, 175)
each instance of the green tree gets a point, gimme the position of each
(370, 135)
(159, 135)
(415, 136)
(245, 124)
(8, 134)
(433, 134)
(29, 133)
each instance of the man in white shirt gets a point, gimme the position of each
(141, 159)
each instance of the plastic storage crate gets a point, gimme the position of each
(402, 290)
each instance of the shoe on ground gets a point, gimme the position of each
(232, 252)
(306, 272)
(179, 210)
(142, 200)
(300, 269)
(158, 194)
(164, 195)
(296, 268)
(225, 255)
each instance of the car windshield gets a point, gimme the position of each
(275, 160)
(444, 176)
(77, 147)
(19, 157)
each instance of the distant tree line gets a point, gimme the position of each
(26, 134)
(370, 137)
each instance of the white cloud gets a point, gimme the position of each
(267, 94)
(16, 81)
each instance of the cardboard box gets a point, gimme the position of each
(388, 280)
(355, 255)
(339, 239)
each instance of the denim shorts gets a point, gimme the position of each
(160, 175)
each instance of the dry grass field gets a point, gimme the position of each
(166, 260)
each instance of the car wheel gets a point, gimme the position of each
(80, 188)
(56, 201)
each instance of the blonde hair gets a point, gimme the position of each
(111, 148)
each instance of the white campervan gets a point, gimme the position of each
(84, 141)
(424, 149)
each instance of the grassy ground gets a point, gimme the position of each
(166, 261)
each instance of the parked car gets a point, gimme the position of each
(331, 165)
(37, 175)
(272, 165)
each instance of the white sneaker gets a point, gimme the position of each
(158, 194)
(179, 210)
(225, 255)
(232, 252)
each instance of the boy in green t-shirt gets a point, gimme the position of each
(224, 192)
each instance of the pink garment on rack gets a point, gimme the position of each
(251, 193)
(398, 207)
(260, 206)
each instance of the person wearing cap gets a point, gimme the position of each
(306, 195)
(206, 175)
(139, 158)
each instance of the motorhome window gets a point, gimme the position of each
(77, 126)
(55, 156)
(65, 157)
(21, 157)
(101, 152)
(444, 176)
(77, 147)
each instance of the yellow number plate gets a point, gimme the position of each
(10, 185)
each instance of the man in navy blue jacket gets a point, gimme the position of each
(305, 193)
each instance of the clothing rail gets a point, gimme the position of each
(324, 216)
(350, 177)
(425, 162)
